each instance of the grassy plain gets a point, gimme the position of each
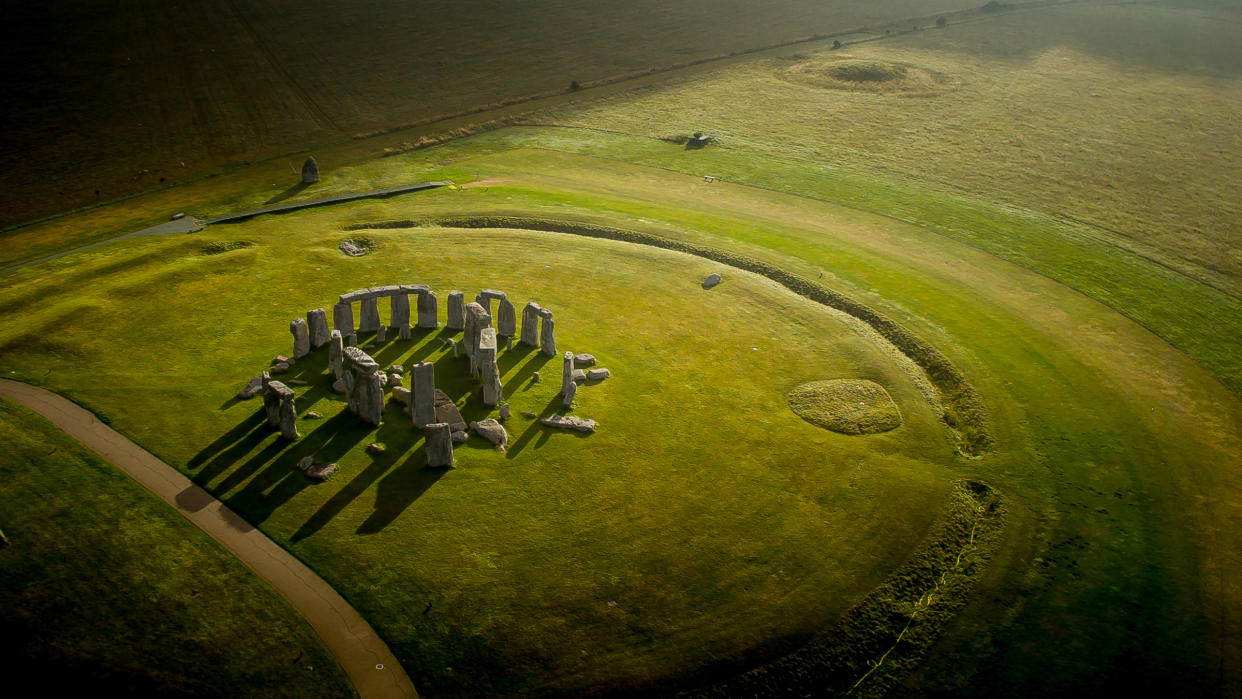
(104, 588)
(124, 97)
(1104, 434)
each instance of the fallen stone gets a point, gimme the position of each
(598, 374)
(280, 368)
(252, 388)
(394, 380)
(535, 377)
(447, 412)
(349, 248)
(712, 280)
(298, 382)
(528, 414)
(339, 386)
(401, 394)
(460, 437)
(320, 472)
(568, 422)
(579, 376)
(584, 360)
(377, 447)
(282, 359)
(311, 415)
(396, 369)
(492, 431)
(305, 463)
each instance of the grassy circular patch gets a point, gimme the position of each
(848, 406)
(868, 75)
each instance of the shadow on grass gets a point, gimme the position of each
(291, 192)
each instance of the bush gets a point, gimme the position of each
(941, 22)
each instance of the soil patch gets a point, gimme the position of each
(858, 75)
(848, 406)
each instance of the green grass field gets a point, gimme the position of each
(707, 538)
(105, 588)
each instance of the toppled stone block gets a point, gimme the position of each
(598, 374)
(447, 412)
(582, 359)
(579, 375)
(252, 388)
(281, 368)
(377, 448)
(320, 472)
(401, 394)
(712, 280)
(305, 463)
(492, 431)
(460, 437)
(568, 422)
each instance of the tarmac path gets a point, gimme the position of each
(365, 657)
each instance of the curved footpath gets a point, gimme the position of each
(372, 668)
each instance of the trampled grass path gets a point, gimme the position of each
(364, 656)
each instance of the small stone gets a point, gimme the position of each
(280, 368)
(579, 375)
(305, 463)
(401, 394)
(282, 359)
(394, 380)
(460, 437)
(311, 415)
(396, 369)
(569, 423)
(320, 472)
(712, 280)
(534, 378)
(252, 388)
(598, 374)
(492, 431)
(528, 415)
(504, 411)
(584, 359)
(297, 382)
(377, 447)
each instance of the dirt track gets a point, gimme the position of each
(372, 668)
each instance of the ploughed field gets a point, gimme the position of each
(705, 528)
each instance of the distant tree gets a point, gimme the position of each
(836, 43)
(574, 86)
(941, 22)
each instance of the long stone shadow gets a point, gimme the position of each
(526, 371)
(536, 429)
(291, 192)
(399, 489)
(233, 437)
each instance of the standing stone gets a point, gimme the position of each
(301, 338)
(369, 320)
(381, 335)
(343, 318)
(317, 322)
(310, 171)
(423, 410)
(456, 311)
(486, 297)
(476, 320)
(336, 352)
(399, 314)
(281, 411)
(547, 336)
(439, 445)
(530, 324)
(506, 319)
(568, 387)
(427, 310)
(489, 373)
(364, 385)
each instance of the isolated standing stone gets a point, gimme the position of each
(343, 318)
(439, 445)
(506, 319)
(489, 373)
(504, 412)
(547, 333)
(301, 338)
(456, 311)
(399, 314)
(310, 171)
(317, 322)
(369, 320)
(568, 387)
(427, 310)
(530, 325)
(423, 410)
(336, 352)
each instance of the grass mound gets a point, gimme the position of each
(222, 246)
(848, 406)
(867, 76)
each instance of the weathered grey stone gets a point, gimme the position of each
(460, 437)
(447, 412)
(504, 412)
(568, 387)
(493, 432)
(439, 445)
(415, 288)
(387, 290)
(305, 463)
(317, 322)
(343, 318)
(579, 375)
(396, 369)
(506, 319)
(598, 374)
(311, 415)
(353, 296)
(340, 386)
(301, 337)
(424, 390)
(528, 415)
(377, 447)
(428, 310)
(530, 325)
(252, 388)
(336, 351)
(582, 359)
(547, 335)
(394, 380)
(535, 377)
(489, 373)
(282, 359)
(355, 357)
(320, 472)
(351, 340)
(456, 348)
(364, 385)
(486, 297)
(569, 423)
(369, 320)
(297, 382)
(381, 335)
(399, 314)
(280, 409)
(456, 311)
(281, 368)
(310, 171)
(712, 280)
(351, 248)
(401, 394)
(476, 319)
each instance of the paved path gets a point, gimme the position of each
(189, 224)
(373, 669)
